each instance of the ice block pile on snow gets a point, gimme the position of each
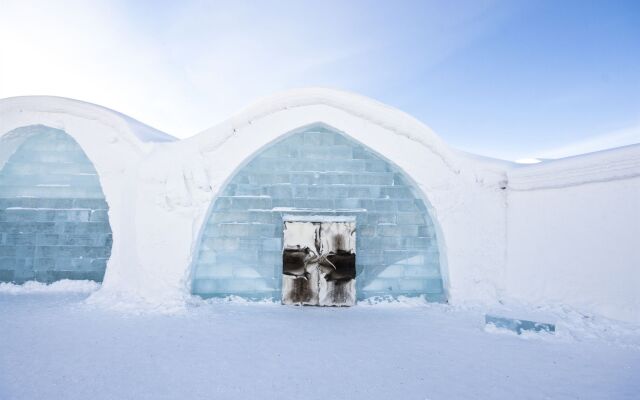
(518, 325)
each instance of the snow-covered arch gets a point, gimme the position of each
(318, 171)
(113, 142)
(464, 191)
(175, 184)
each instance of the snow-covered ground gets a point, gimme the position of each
(55, 346)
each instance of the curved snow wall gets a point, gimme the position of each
(53, 215)
(318, 171)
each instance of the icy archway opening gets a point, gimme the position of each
(54, 220)
(318, 171)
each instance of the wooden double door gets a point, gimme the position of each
(319, 262)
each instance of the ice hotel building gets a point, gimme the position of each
(311, 196)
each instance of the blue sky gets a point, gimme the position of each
(508, 79)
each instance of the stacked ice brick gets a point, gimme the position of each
(53, 215)
(318, 171)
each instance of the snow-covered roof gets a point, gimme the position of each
(53, 105)
(605, 165)
(352, 104)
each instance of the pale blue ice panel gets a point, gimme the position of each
(53, 216)
(518, 325)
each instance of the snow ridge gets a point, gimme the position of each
(601, 166)
(59, 105)
(378, 113)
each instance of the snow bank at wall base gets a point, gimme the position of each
(506, 231)
(61, 286)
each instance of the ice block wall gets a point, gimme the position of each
(53, 215)
(318, 171)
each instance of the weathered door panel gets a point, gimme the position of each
(300, 276)
(318, 263)
(299, 279)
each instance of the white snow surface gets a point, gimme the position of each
(56, 346)
(560, 232)
(61, 286)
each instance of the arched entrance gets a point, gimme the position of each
(318, 172)
(53, 215)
